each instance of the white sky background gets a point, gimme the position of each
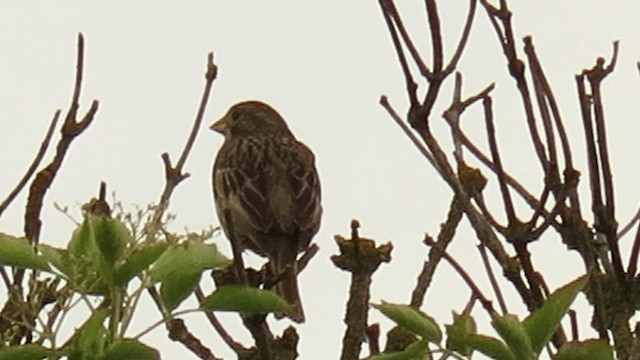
(324, 67)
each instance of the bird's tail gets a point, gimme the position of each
(286, 272)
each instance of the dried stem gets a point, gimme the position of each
(178, 332)
(445, 237)
(213, 320)
(361, 258)
(71, 129)
(477, 293)
(174, 175)
(44, 145)
(492, 279)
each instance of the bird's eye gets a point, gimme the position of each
(237, 114)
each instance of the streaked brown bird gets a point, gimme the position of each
(267, 192)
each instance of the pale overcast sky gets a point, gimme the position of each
(323, 65)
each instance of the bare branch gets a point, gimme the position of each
(453, 63)
(394, 115)
(70, 130)
(445, 236)
(412, 87)
(174, 175)
(477, 293)
(44, 145)
(492, 279)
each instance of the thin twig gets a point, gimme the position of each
(385, 5)
(174, 175)
(213, 320)
(633, 259)
(629, 226)
(433, 19)
(492, 279)
(453, 63)
(486, 303)
(394, 115)
(44, 145)
(390, 8)
(493, 146)
(445, 236)
(70, 130)
(555, 111)
(516, 69)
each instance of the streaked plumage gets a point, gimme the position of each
(266, 190)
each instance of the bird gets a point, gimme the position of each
(266, 191)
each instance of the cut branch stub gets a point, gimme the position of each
(360, 255)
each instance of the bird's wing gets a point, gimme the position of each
(240, 189)
(305, 188)
(268, 188)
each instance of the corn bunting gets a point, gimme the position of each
(267, 192)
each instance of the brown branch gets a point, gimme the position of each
(453, 63)
(457, 107)
(178, 332)
(625, 229)
(414, 139)
(538, 73)
(477, 293)
(213, 320)
(174, 175)
(495, 153)
(516, 69)
(308, 254)
(482, 228)
(433, 19)
(44, 145)
(592, 157)
(361, 258)
(604, 213)
(492, 279)
(386, 6)
(445, 236)
(70, 130)
(633, 259)
(373, 339)
(390, 8)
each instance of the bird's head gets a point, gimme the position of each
(251, 118)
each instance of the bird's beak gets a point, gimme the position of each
(220, 125)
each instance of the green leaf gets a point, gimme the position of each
(245, 299)
(89, 341)
(512, 331)
(492, 347)
(82, 243)
(180, 267)
(54, 256)
(19, 253)
(542, 323)
(111, 237)
(176, 287)
(595, 349)
(132, 350)
(457, 333)
(25, 352)
(178, 271)
(207, 255)
(415, 351)
(138, 261)
(411, 319)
